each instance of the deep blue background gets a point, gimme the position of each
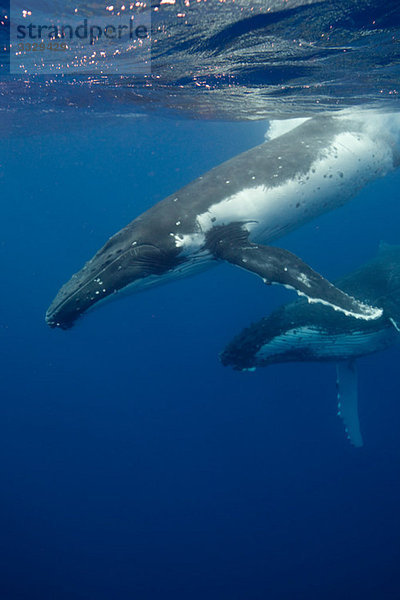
(133, 465)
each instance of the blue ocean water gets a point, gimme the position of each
(133, 464)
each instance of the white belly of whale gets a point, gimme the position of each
(339, 172)
(318, 344)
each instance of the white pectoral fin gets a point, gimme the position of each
(347, 393)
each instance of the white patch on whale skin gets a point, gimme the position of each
(189, 242)
(380, 125)
(304, 279)
(318, 344)
(371, 313)
(278, 127)
(338, 173)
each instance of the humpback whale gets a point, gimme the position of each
(302, 332)
(232, 211)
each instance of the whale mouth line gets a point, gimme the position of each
(51, 311)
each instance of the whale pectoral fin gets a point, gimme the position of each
(276, 265)
(347, 393)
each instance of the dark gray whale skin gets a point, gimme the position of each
(300, 331)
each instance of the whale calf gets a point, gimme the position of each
(232, 211)
(302, 332)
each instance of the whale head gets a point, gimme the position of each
(300, 332)
(134, 258)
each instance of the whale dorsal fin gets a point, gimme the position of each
(276, 265)
(347, 393)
